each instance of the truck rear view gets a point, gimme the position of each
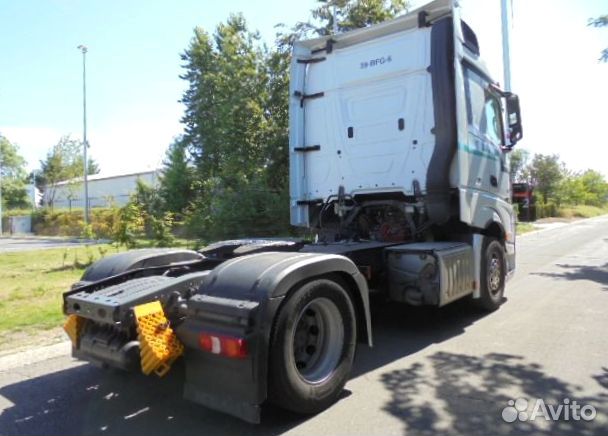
(398, 166)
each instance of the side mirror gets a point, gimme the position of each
(515, 132)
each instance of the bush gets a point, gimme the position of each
(16, 212)
(249, 211)
(546, 210)
(142, 218)
(71, 223)
(581, 211)
(103, 221)
(87, 232)
(129, 226)
(161, 230)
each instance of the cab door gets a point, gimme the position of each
(486, 162)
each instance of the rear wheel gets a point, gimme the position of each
(493, 274)
(312, 347)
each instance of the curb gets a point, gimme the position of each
(34, 355)
(56, 239)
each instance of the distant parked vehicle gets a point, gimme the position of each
(523, 196)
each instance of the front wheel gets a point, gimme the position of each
(312, 347)
(493, 274)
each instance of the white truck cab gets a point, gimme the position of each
(407, 113)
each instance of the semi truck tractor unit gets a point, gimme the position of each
(398, 151)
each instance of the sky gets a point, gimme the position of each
(133, 69)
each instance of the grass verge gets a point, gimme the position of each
(581, 211)
(32, 282)
(522, 228)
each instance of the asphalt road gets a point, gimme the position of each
(431, 371)
(12, 244)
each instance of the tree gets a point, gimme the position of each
(143, 216)
(275, 140)
(600, 21)
(519, 165)
(546, 172)
(177, 178)
(571, 190)
(596, 188)
(64, 162)
(12, 176)
(589, 187)
(349, 15)
(225, 101)
(236, 119)
(235, 130)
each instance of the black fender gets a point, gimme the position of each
(144, 258)
(270, 276)
(243, 296)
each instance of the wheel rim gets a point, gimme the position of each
(317, 340)
(494, 274)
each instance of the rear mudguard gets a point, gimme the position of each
(145, 258)
(241, 297)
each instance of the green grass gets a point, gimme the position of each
(32, 282)
(581, 211)
(522, 228)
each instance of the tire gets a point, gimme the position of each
(493, 275)
(312, 347)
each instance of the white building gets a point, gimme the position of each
(104, 191)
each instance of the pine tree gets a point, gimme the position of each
(177, 177)
(236, 120)
(12, 176)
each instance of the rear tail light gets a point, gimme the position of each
(228, 346)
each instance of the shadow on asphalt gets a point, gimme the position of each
(400, 330)
(466, 389)
(598, 274)
(87, 400)
(602, 378)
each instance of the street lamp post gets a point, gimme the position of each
(85, 143)
(0, 192)
(505, 15)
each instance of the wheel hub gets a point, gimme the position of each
(318, 340)
(494, 273)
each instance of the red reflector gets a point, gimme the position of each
(205, 342)
(234, 347)
(228, 346)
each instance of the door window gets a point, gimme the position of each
(484, 113)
